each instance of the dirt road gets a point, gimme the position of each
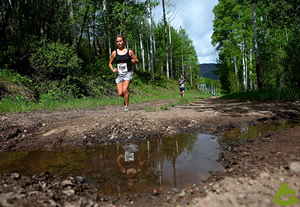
(253, 173)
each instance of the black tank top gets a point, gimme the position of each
(123, 59)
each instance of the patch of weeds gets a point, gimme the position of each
(150, 109)
(165, 107)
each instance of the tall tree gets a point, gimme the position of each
(256, 49)
(166, 40)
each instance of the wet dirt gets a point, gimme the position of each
(253, 170)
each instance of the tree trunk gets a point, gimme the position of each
(94, 30)
(151, 47)
(142, 50)
(191, 75)
(83, 25)
(104, 3)
(250, 71)
(182, 66)
(170, 43)
(235, 68)
(245, 81)
(166, 40)
(256, 49)
(5, 22)
(72, 22)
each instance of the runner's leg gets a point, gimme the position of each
(120, 89)
(125, 92)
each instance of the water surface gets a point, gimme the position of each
(167, 162)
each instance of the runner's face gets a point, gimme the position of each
(120, 42)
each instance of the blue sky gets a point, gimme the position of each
(196, 17)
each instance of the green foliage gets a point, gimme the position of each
(278, 37)
(12, 77)
(52, 60)
(267, 95)
(234, 83)
(15, 104)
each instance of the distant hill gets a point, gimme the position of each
(206, 70)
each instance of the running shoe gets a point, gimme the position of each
(126, 108)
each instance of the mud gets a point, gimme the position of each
(254, 169)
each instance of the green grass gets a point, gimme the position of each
(146, 94)
(266, 95)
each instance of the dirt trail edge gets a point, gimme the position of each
(254, 170)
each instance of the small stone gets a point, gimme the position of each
(67, 183)
(295, 166)
(251, 182)
(230, 170)
(241, 196)
(181, 194)
(264, 175)
(15, 175)
(193, 186)
(68, 192)
(80, 179)
(33, 192)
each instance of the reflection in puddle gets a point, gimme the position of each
(254, 132)
(130, 168)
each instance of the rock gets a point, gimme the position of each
(67, 183)
(181, 194)
(33, 193)
(251, 182)
(264, 175)
(15, 176)
(68, 192)
(193, 186)
(295, 167)
(80, 179)
(52, 203)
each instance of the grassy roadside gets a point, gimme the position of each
(266, 95)
(145, 93)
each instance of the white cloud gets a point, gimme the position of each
(196, 17)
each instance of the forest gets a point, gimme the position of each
(60, 48)
(258, 44)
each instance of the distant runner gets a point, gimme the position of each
(181, 83)
(123, 57)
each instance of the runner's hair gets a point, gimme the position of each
(123, 38)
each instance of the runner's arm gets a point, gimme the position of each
(110, 64)
(133, 57)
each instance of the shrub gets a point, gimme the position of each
(54, 60)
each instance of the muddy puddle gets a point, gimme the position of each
(142, 167)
